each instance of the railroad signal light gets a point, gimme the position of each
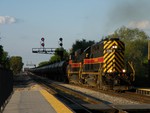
(61, 39)
(42, 39)
(60, 43)
(42, 44)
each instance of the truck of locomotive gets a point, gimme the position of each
(101, 65)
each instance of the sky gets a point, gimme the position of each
(24, 22)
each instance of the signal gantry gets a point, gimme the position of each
(43, 50)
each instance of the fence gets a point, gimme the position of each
(6, 86)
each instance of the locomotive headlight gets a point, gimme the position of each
(114, 47)
(123, 70)
(110, 71)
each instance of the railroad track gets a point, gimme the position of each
(137, 97)
(76, 107)
(79, 102)
(143, 99)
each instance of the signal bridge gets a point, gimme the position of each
(43, 50)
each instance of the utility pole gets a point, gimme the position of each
(149, 59)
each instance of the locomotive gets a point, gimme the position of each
(100, 65)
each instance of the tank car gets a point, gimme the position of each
(55, 71)
(101, 65)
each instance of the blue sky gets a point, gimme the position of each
(24, 22)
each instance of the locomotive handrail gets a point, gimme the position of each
(100, 76)
(131, 65)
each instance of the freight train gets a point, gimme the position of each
(100, 65)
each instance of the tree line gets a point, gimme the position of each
(136, 47)
(13, 63)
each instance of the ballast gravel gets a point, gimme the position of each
(105, 97)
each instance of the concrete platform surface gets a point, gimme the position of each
(28, 102)
(143, 91)
(31, 102)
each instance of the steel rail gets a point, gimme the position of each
(79, 95)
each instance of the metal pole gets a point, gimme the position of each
(149, 59)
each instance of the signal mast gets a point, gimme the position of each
(43, 50)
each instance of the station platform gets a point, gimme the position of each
(143, 91)
(35, 102)
(34, 99)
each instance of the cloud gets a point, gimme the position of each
(7, 20)
(140, 24)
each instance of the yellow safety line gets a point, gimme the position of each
(55, 103)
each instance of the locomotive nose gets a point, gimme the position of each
(113, 56)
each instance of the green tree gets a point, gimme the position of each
(60, 54)
(4, 59)
(55, 58)
(136, 43)
(1, 53)
(16, 64)
(44, 63)
(81, 44)
(128, 34)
